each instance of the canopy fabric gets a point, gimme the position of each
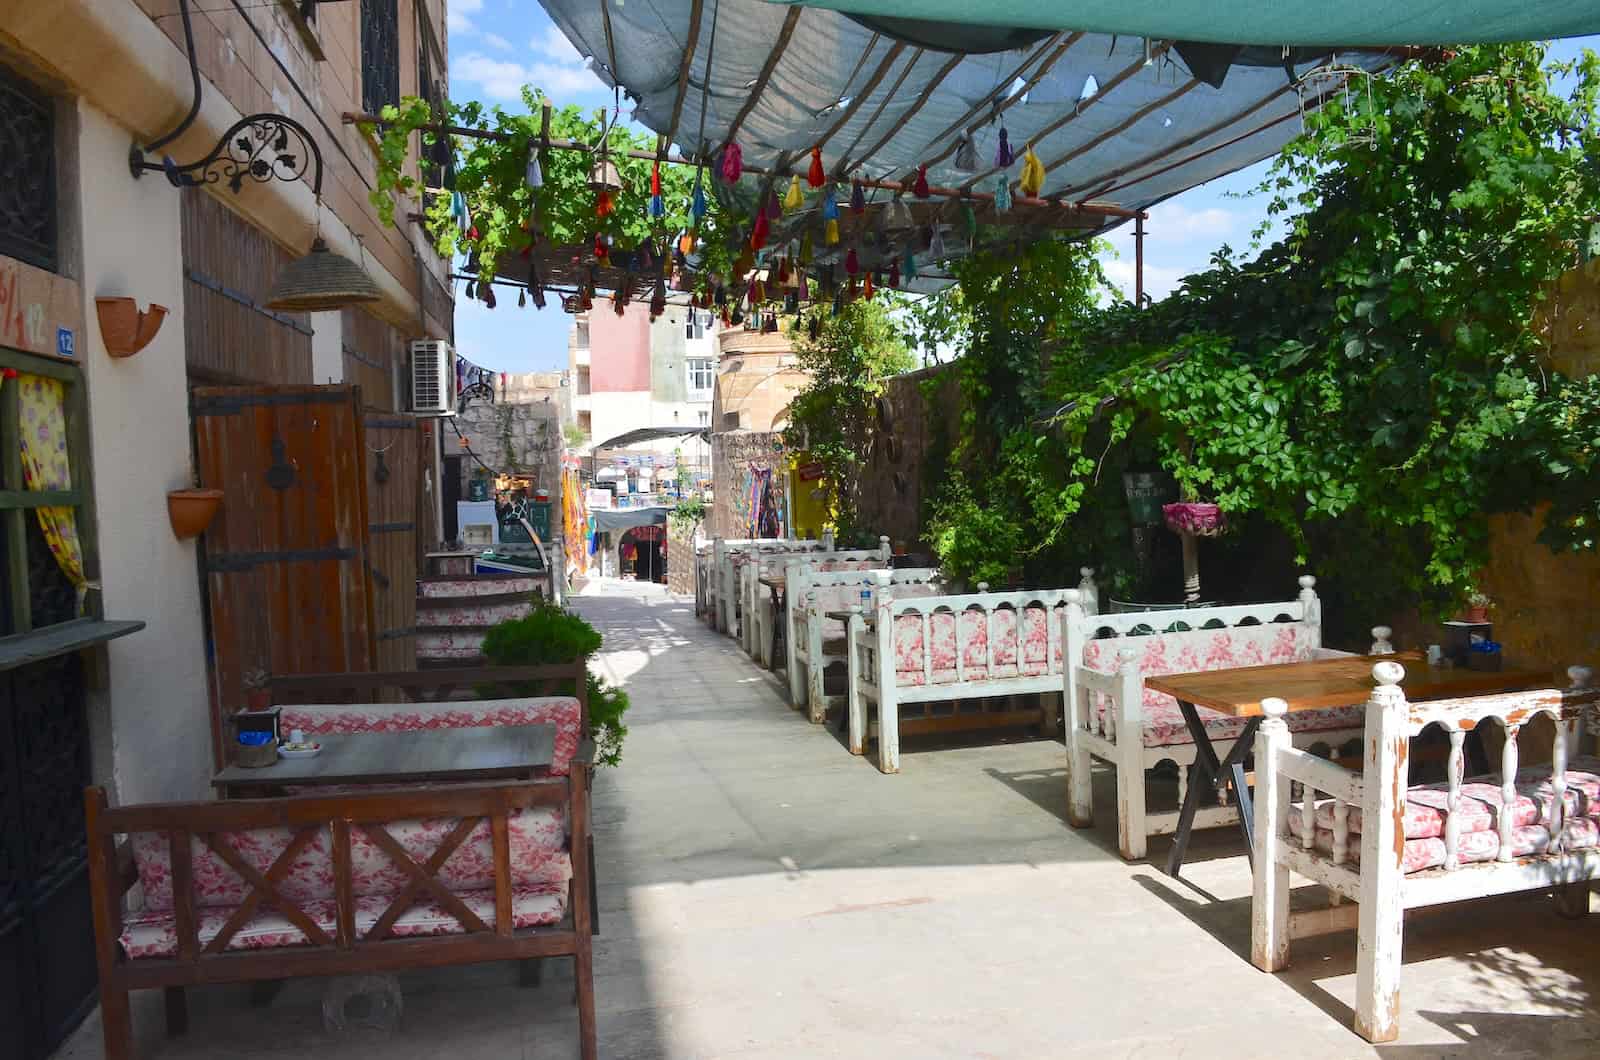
(651, 434)
(1118, 124)
(1277, 22)
(606, 520)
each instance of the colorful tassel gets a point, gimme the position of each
(796, 198)
(697, 203)
(774, 208)
(830, 234)
(759, 231)
(911, 264)
(894, 275)
(686, 244)
(852, 264)
(783, 270)
(967, 155)
(969, 223)
(858, 197)
(1002, 193)
(534, 175)
(816, 177)
(486, 293)
(866, 289)
(645, 259)
(936, 244)
(658, 208)
(601, 251)
(732, 164)
(1031, 180)
(1002, 151)
(603, 204)
(806, 250)
(920, 187)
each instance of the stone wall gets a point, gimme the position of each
(733, 453)
(515, 440)
(680, 558)
(905, 458)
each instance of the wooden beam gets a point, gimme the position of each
(789, 22)
(1124, 126)
(1193, 138)
(611, 44)
(861, 96)
(844, 156)
(683, 76)
(927, 94)
(965, 122)
(1014, 98)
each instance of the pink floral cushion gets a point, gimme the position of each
(479, 586)
(1420, 854)
(154, 933)
(538, 853)
(560, 711)
(1035, 653)
(1164, 726)
(457, 644)
(215, 881)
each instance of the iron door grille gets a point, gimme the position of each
(28, 172)
(380, 54)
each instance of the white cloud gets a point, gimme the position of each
(1176, 219)
(459, 10)
(497, 42)
(555, 45)
(502, 79)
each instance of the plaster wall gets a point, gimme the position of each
(619, 352)
(156, 690)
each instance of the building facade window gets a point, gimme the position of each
(705, 418)
(701, 373)
(380, 54)
(27, 173)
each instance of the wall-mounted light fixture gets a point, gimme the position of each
(261, 148)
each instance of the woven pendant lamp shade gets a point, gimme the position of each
(321, 280)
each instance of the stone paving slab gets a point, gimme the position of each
(765, 894)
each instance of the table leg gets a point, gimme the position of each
(777, 628)
(1207, 769)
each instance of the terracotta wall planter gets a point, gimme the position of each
(123, 328)
(191, 511)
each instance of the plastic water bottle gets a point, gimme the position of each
(866, 597)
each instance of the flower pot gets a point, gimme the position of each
(258, 699)
(123, 328)
(1199, 519)
(1475, 614)
(191, 511)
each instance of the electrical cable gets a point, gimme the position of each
(468, 447)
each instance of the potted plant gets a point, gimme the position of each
(257, 694)
(1477, 609)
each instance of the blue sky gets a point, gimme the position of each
(497, 46)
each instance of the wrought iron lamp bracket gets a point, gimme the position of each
(258, 148)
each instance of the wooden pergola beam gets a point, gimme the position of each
(789, 22)
(683, 76)
(1013, 99)
(845, 165)
(860, 98)
(927, 94)
(1123, 126)
(611, 43)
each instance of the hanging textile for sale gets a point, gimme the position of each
(43, 434)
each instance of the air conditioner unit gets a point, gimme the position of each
(433, 378)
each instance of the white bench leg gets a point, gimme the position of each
(1080, 789)
(888, 731)
(1380, 917)
(1131, 824)
(797, 687)
(854, 705)
(1269, 906)
(816, 678)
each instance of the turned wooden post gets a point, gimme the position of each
(1269, 928)
(1381, 916)
(1074, 633)
(1381, 644)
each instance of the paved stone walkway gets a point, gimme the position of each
(765, 894)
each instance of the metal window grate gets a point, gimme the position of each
(380, 54)
(27, 173)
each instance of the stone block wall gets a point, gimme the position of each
(911, 437)
(515, 440)
(733, 453)
(680, 558)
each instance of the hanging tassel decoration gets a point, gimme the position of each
(858, 198)
(830, 233)
(783, 270)
(522, 298)
(686, 244)
(830, 217)
(796, 198)
(967, 155)
(603, 204)
(920, 187)
(936, 244)
(911, 264)
(806, 250)
(732, 164)
(759, 231)
(774, 208)
(816, 177)
(486, 293)
(969, 224)
(1002, 150)
(645, 258)
(697, 202)
(658, 208)
(472, 291)
(814, 327)
(852, 264)
(1031, 180)
(866, 289)
(758, 292)
(894, 275)
(601, 250)
(1002, 193)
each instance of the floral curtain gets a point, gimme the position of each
(43, 427)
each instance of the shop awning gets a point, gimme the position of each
(626, 518)
(1271, 22)
(652, 434)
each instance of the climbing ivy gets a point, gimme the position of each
(1371, 387)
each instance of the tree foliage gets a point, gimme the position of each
(1372, 386)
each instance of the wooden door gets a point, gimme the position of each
(286, 559)
(394, 472)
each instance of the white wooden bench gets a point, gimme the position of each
(935, 648)
(726, 555)
(756, 599)
(1371, 838)
(815, 641)
(1113, 717)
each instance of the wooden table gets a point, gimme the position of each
(500, 752)
(1318, 684)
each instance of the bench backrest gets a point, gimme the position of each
(976, 636)
(459, 585)
(812, 594)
